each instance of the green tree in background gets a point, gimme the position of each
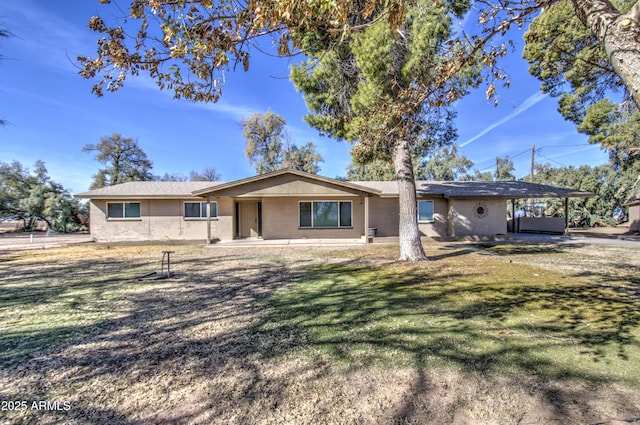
(269, 147)
(504, 169)
(611, 188)
(124, 161)
(304, 158)
(209, 174)
(264, 134)
(375, 169)
(481, 176)
(445, 165)
(31, 197)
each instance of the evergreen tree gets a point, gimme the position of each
(370, 91)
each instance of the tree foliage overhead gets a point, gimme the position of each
(123, 158)
(573, 66)
(269, 146)
(33, 196)
(188, 46)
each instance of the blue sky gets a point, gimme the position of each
(52, 113)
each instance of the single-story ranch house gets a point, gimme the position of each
(289, 204)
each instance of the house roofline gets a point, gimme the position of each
(253, 179)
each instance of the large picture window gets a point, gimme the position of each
(425, 211)
(319, 214)
(199, 209)
(123, 210)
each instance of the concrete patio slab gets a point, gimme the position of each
(287, 242)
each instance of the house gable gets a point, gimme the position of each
(286, 183)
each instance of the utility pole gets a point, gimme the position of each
(533, 155)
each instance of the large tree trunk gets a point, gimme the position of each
(410, 244)
(619, 35)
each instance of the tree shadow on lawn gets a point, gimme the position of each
(170, 326)
(366, 316)
(218, 332)
(529, 248)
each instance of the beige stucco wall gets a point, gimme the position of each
(280, 219)
(384, 216)
(634, 218)
(439, 226)
(160, 219)
(463, 221)
(163, 219)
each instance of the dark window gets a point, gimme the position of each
(345, 214)
(320, 214)
(305, 214)
(123, 210)
(199, 209)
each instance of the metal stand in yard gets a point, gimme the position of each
(161, 274)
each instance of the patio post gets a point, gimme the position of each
(208, 220)
(366, 217)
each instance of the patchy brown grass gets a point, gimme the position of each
(320, 336)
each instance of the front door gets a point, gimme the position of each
(249, 219)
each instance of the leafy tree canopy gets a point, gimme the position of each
(123, 158)
(269, 146)
(207, 175)
(33, 196)
(445, 165)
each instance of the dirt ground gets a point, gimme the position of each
(182, 355)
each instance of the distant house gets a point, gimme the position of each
(288, 204)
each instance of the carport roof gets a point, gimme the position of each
(499, 189)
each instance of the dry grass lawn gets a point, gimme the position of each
(505, 334)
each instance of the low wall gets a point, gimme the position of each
(541, 224)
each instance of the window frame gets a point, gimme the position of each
(202, 204)
(312, 226)
(433, 211)
(124, 217)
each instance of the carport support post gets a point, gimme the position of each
(513, 216)
(208, 220)
(566, 215)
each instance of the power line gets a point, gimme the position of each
(553, 160)
(566, 146)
